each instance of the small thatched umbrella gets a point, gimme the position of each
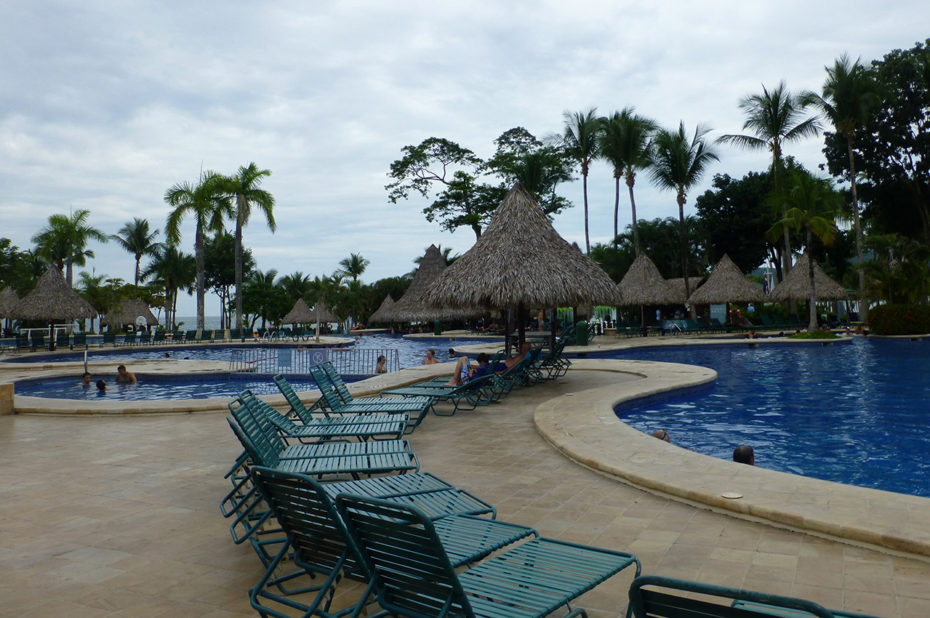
(642, 285)
(299, 314)
(383, 310)
(678, 286)
(321, 313)
(412, 306)
(727, 284)
(52, 299)
(8, 300)
(797, 284)
(127, 312)
(519, 262)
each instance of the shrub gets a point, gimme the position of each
(899, 319)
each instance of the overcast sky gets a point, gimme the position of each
(105, 105)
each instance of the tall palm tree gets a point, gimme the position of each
(174, 271)
(813, 208)
(775, 118)
(244, 189)
(625, 142)
(354, 265)
(206, 203)
(135, 238)
(63, 241)
(848, 98)
(678, 164)
(580, 142)
(296, 285)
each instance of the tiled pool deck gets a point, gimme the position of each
(117, 515)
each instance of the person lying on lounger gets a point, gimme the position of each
(465, 372)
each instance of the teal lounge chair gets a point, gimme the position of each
(62, 340)
(38, 340)
(317, 543)
(129, 339)
(474, 392)
(413, 573)
(109, 337)
(145, 338)
(190, 336)
(659, 597)
(80, 340)
(22, 342)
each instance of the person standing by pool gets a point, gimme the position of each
(430, 357)
(123, 376)
(744, 454)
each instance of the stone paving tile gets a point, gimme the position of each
(118, 516)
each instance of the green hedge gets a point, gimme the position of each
(900, 319)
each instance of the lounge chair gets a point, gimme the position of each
(206, 336)
(413, 574)
(145, 338)
(80, 340)
(109, 337)
(129, 339)
(22, 342)
(38, 340)
(474, 392)
(659, 597)
(190, 336)
(317, 542)
(158, 337)
(340, 388)
(62, 340)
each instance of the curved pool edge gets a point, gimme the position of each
(583, 427)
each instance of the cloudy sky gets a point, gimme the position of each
(105, 105)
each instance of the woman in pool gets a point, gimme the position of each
(430, 357)
(381, 367)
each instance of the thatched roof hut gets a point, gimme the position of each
(383, 310)
(678, 286)
(321, 313)
(299, 314)
(521, 261)
(796, 285)
(727, 284)
(412, 305)
(8, 300)
(52, 299)
(643, 285)
(127, 312)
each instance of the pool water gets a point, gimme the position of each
(854, 413)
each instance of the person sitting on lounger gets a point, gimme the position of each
(510, 362)
(464, 372)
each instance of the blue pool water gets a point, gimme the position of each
(856, 413)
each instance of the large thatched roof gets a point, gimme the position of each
(521, 260)
(52, 299)
(796, 285)
(383, 310)
(321, 313)
(678, 286)
(8, 300)
(413, 306)
(127, 312)
(643, 285)
(727, 284)
(299, 314)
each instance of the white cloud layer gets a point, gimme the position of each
(105, 105)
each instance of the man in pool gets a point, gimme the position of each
(744, 454)
(101, 387)
(123, 376)
(86, 380)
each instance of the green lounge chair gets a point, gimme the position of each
(317, 542)
(413, 574)
(22, 342)
(62, 340)
(80, 340)
(474, 392)
(158, 337)
(206, 336)
(190, 336)
(129, 339)
(109, 337)
(38, 340)
(658, 597)
(340, 388)
(306, 417)
(145, 338)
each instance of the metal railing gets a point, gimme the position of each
(292, 361)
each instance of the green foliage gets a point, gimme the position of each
(135, 238)
(899, 270)
(660, 240)
(900, 319)
(63, 242)
(816, 334)
(219, 255)
(735, 217)
(18, 269)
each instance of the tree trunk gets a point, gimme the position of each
(863, 301)
(616, 208)
(69, 271)
(812, 310)
(587, 237)
(239, 212)
(683, 233)
(630, 180)
(198, 253)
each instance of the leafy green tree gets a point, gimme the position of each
(354, 265)
(775, 118)
(580, 140)
(660, 240)
(678, 164)
(63, 242)
(173, 271)
(244, 188)
(625, 143)
(18, 269)
(848, 99)
(813, 206)
(136, 239)
(263, 299)
(220, 270)
(205, 202)
(296, 285)
(899, 270)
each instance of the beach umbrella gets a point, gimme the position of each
(412, 306)
(520, 262)
(727, 284)
(299, 314)
(52, 299)
(383, 310)
(127, 312)
(797, 286)
(8, 300)
(677, 284)
(643, 284)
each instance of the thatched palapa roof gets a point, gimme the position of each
(52, 299)
(127, 312)
(299, 314)
(8, 300)
(643, 285)
(727, 284)
(521, 260)
(383, 310)
(678, 286)
(796, 285)
(322, 313)
(413, 306)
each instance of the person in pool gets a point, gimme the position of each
(123, 376)
(86, 380)
(101, 387)
(661, 434)
(381, 367)
(430, 357)
(744, 454)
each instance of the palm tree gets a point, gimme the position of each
(775, 118)
(296, 285)
(244, 189)
(354, 265)
(63, 241)
(813, 208)
(849, 96)
(580, 142)
(625, 142)
(135, 238)
(205, 202)
(678, 164)
(173, 270)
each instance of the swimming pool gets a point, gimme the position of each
(856, 414)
